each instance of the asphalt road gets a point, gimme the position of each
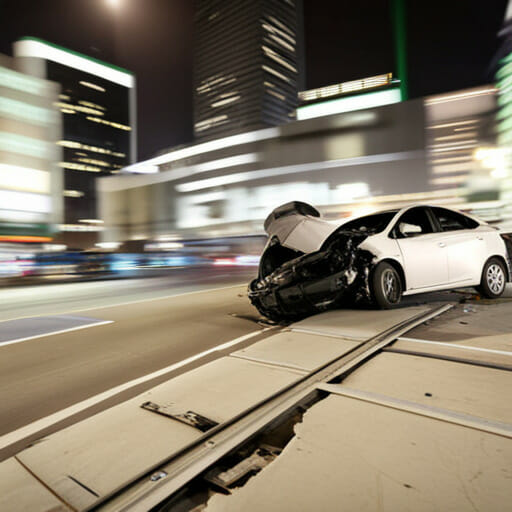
(154, 323)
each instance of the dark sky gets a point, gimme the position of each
(450, 45)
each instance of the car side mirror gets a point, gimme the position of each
(408, 229)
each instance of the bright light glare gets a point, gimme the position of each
(113, 3)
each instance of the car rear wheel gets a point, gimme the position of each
(494, 277)
(387, 286)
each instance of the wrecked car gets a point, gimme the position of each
(311, 264)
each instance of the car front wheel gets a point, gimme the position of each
(494, 277)
(387, 286)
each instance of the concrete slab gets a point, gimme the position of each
(358, 324)
(25, 492)
(464, 388)
(223, 388)
(103, 452)
(351, 455)
(299, 350)
(111, 448)
(492, 350)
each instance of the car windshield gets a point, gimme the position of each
(374, 223)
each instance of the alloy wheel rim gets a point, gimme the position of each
(495, 278)
(390, 286)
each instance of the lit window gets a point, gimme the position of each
(277, 95)
(277, 58)
(276, 73)
(101, 163)
(119, 126)
(225, 102)
(92, 86)
(79, 167)
(79, 108)
(73, 193)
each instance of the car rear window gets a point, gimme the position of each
(453, 221)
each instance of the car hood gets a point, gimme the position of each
(304, 233)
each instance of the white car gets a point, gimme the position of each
(311, 264)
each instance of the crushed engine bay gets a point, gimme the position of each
(293, 284)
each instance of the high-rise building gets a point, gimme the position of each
(246, 65)
(30, 179)
(97, 101)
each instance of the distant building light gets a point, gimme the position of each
(347, 87)
(119, 126)
(73, 193)
(460, 96)
(25, 179)
(91, 221)
(21, 239)
(108, 245)
(79, 167)
(456, 123)
(349, 104)
(80, 227)
(92, 86)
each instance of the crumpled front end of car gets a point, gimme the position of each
(311, 283)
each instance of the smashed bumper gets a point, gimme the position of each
(326, 279)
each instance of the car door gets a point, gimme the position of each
(425, 260)
(464, 244)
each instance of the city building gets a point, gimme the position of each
(31, 205)
(374, 91)
(246, 65)
(97, 102)
(229, 185)
(376, 155)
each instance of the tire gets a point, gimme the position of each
(494, 278)
(386, 286)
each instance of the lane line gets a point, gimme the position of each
(51, 333)
(464, 347)
(39, 425)
(138, 301)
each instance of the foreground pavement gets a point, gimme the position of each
(47, 367)
(362, 410)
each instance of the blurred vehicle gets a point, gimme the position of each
(310, 264)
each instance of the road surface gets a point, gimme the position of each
(152, 324)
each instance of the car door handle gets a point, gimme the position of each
(442, 244)
(479, 237)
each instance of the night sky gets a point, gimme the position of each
(451, 45)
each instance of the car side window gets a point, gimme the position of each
(413, 222)
(453, 221)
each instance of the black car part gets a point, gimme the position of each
(292, 285)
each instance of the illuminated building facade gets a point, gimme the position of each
(374, 91)
(97, 102)
(30, 179)
(246, 68)
(227, 186)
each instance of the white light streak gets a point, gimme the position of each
(42, 50)
(349, 104)
(243, 177)
(14, 177)
(206, 147)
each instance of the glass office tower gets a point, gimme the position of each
(97, 101)
(246, 67)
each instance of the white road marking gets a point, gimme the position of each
(114, 305)
(39, 425)
(52, 333)
(464, 347)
